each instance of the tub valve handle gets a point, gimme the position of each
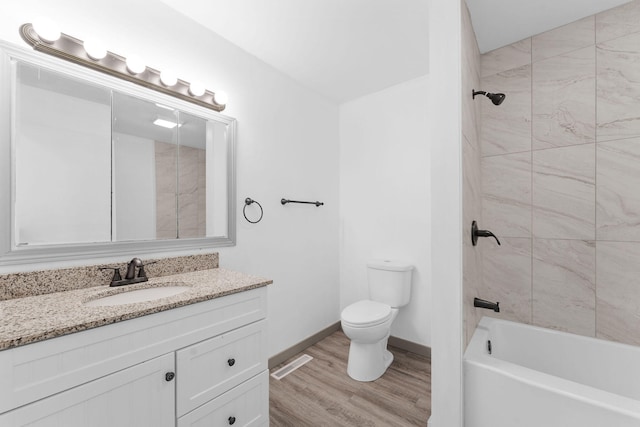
(480, 303)
(475, 233)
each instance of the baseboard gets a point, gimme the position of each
(410, 346)
(302, 345)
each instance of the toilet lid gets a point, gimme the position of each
(366, 312)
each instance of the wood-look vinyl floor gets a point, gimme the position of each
(321, 393)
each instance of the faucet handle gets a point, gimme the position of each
(141, 272)
(116, 273)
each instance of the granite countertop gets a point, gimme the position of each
(36, 318)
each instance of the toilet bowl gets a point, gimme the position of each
(367, 323)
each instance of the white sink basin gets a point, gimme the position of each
(140, 295)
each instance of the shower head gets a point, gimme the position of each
(496, 98)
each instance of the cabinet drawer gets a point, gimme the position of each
(244, 405)
(135, 397)
(208, 369)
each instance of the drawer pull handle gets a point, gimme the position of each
(232, 420)
(169, 376)
(231, 362)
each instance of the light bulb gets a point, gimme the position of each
(168, 78)
(221, 97)
(95, 49)
(196, 89)
(46, 29)
(135, 64)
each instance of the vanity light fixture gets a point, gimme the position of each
(135, 64)
(196, 89)
(221, 97)
(168, 78)
(46, 29)
(44, 36)
(95, 49)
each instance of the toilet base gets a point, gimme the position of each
(388, 359)
(368, 362)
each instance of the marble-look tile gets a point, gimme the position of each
(471, 52)
(564, 192)
(471, 209)
(506, 198)
(165, 234)
(563, 39)
(201, 200)
(506, 58)
(470, 79)
(617, 195)
(187, 212)
(618, 90)
(471, 108)
(564, 285)
(564, 106)
(166, 163)
(472, 183)
(618, 22)
(166, 213)
(506, 128)
(506, 277)
(189, 233)
(472, 283)
(188, 170)
(618, 291)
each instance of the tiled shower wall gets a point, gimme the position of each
(190, 189)
(471, 171)
(561, 177)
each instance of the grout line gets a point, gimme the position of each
(595, 183)
(531, 163)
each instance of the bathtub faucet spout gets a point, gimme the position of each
(480, 303)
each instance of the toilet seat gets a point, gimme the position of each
(366, 313)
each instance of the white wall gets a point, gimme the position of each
(48, 141)
(384, 197)
(446, 212)
(134, 167)
(287, 147)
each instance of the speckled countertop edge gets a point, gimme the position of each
(36, 318)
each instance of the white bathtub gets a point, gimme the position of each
(544, 378)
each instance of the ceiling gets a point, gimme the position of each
(342, 49)
(498, 23)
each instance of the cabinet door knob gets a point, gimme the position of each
(231, 362)
(169, 376)
(232, 420)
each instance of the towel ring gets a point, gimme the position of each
(247, 202)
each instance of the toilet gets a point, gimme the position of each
(367, 323)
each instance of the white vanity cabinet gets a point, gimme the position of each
(202, 364)
(136, 396)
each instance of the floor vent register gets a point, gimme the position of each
(290, 367)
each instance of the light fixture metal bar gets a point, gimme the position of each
(72, 49)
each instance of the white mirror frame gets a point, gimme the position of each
(13, 255)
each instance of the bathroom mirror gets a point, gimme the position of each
(100, 167)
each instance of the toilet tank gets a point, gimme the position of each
(389, 282)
